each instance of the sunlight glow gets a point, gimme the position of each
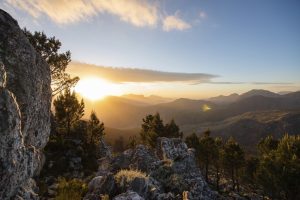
(205, 108)
(96, 88)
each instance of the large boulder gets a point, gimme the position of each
(183, 173)
(129, 195)
(25, 100)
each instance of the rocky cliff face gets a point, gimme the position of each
(25, 96)
(167, 172)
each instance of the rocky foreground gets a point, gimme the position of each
(167, 172)
(25, 96)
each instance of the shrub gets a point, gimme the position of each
(125, 177)
(73, 189)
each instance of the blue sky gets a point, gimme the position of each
(246, 43)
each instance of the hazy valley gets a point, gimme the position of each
(247, 117)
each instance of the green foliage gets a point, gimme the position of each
(267, 144)
(153, 127)
(192, 141)
(49, 47)
(74, 189)
(95, 129)
(172, 130)
(206, 151)
(132, 142)
(171, 181)
(68, 111)
(233, 160)
(279, 168)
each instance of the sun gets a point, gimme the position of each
(96, 88)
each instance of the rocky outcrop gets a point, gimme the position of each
(25, 96)
(168, 172)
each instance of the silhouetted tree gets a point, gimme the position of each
(206, 151)
(192, 141)
(217, 158)
(172, 130)
(68, 111)
(132, 142)
(95, 129)
(152, 128)
(233, 160)
(48, 47)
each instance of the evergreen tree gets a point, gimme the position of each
(192, 141)
(152, 128)
(206, 151)
(48, 48)
(233, 160)
(132, 142)
(172, 130)
(279, 167)
(68, 111)
(216, 160)
(95, 129)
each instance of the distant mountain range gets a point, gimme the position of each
(236, 115)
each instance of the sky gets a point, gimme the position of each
(174, 48)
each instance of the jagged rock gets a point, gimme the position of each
(129, 195)
(101, 185)
(24, 111)
(140, 158)
(171, 172)
(184, 167)
(140, 186)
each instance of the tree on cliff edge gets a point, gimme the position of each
(48, 48)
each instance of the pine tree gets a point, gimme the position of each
(206, 151)
(216, 161)
(48, 48)
(95, 129)
(233, 160)
(68, 111)
(152, 128)
(172, 130)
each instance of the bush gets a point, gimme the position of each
(73, 189)
(171, 181)
(125, 177)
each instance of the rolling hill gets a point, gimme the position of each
(253, 115)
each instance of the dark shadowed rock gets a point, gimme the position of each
(24, 111)
(129, 195)
(101, 185)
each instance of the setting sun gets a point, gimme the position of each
(96, 88)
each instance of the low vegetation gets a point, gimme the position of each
(74, 189)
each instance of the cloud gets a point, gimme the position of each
(137, 12)
(271, 83)
(124, 75)
(173, 22)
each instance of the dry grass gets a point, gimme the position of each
(123, 177)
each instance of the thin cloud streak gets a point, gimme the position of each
(127, 75)
(137, 12)
(140, 13)
(272, 83)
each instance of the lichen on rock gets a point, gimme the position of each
(25, 100)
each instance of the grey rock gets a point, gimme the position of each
(101, 185)
(24, 111)
(129, 195)
(140, 186)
